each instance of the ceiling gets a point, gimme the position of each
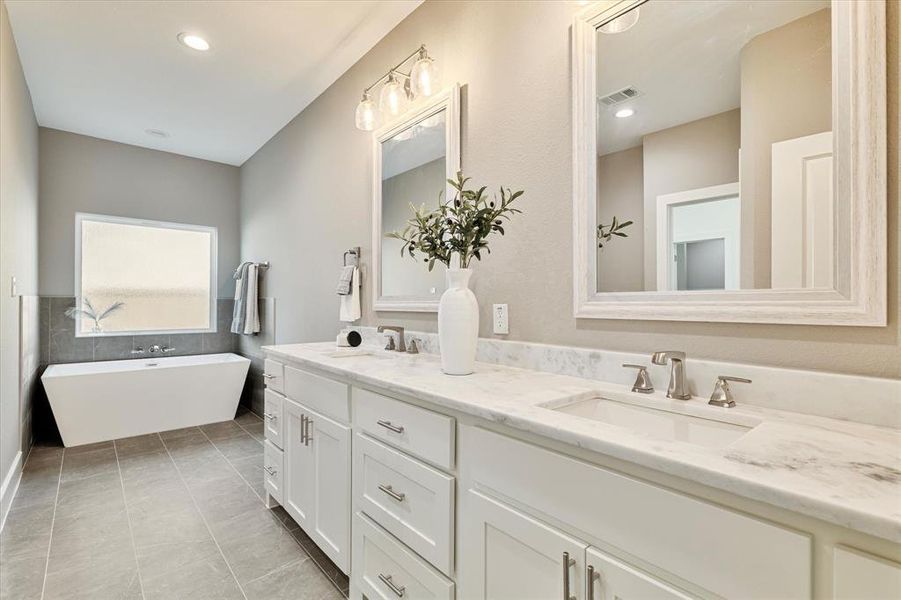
(684, 59)
(114, 69)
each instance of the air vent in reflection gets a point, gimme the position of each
(618, 96)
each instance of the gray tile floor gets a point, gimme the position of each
(175, 515)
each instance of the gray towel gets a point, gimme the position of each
(239, 314)
(344, 280)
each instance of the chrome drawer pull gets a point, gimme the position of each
(567, 563)
(398, 590)
(390, 426)
(307, 438)
(272, 472)
(303, 429)
(591, 577)
(268, 376)
(270, 416)
(399, 496)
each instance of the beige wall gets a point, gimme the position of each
(620, 194)
(18, 238)
(786, 87)
(694, 155)
(85, 174)
(401, 275)
(305, 198)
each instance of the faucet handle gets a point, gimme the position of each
(390, 344)
(412, 348)
(722, 393)
(137, 350)
(642, 383)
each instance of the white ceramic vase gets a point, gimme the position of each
(458, 324)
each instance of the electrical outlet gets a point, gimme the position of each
(499, 312)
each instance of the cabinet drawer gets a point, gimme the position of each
(410, 499)
(423, 433)
(274, 374)
(324, 395)
(273, 466)
(274, 417)
(719, 550)
(859, 576)
(385, 570)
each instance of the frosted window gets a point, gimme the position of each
(163, 274)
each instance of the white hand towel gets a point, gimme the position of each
(252, 303)
(350, 303)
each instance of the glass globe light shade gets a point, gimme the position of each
(366, 116)
(393, 99)
(424, 77)
(621, 23)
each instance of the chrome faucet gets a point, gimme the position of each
(156, 348)
(676, 388)
(401, 345)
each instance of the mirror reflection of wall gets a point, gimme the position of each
(413, 172)
(716, 113)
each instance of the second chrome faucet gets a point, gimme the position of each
(676, 388)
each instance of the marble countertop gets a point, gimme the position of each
(842, 472)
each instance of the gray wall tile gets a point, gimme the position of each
(112, 348)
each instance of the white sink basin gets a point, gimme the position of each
(659, 423)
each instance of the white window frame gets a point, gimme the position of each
(214, 262)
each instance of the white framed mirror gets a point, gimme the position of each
(412, 160)
(729, 161)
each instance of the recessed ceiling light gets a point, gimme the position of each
(194, 42)
(623, 113)
(157, 133)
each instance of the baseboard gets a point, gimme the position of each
(10, 487)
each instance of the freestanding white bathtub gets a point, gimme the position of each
(98, 401)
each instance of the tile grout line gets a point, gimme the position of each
(280, 522)
(131, 534)
(203, 518)
(59, 481)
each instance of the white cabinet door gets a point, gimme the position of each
(616, 580)
(511, 556)
(860, 576)
(330, 485)
(297, 492)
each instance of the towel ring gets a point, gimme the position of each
(355, 253)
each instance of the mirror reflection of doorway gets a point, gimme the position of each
(700, 265)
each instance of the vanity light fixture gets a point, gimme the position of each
(193, 41)
(624, 113)
(622, 23)
(398, 90)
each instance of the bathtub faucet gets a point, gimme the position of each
(155, 348)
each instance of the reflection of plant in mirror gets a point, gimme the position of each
(606, 232)
(90, 313)
(459, 227)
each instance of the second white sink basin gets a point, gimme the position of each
(664, 424)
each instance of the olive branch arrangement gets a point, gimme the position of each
(606, 232)
(459, 227)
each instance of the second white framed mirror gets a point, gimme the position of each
(412, 159)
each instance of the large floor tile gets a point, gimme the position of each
(98, 494)
(240, 446)
(206, 579)
(152, 527)
(224, 499)
(110, 581)
(79, 465)
(221, 431)
(137, 445)
(251, 470)
(160, 559)
(27, 532)
(22, 579)
(259, 554)
(300, 579)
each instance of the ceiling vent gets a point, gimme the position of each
(618, 96)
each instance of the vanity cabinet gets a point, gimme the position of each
(694, 545)
(317, 486)
(860, 576)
